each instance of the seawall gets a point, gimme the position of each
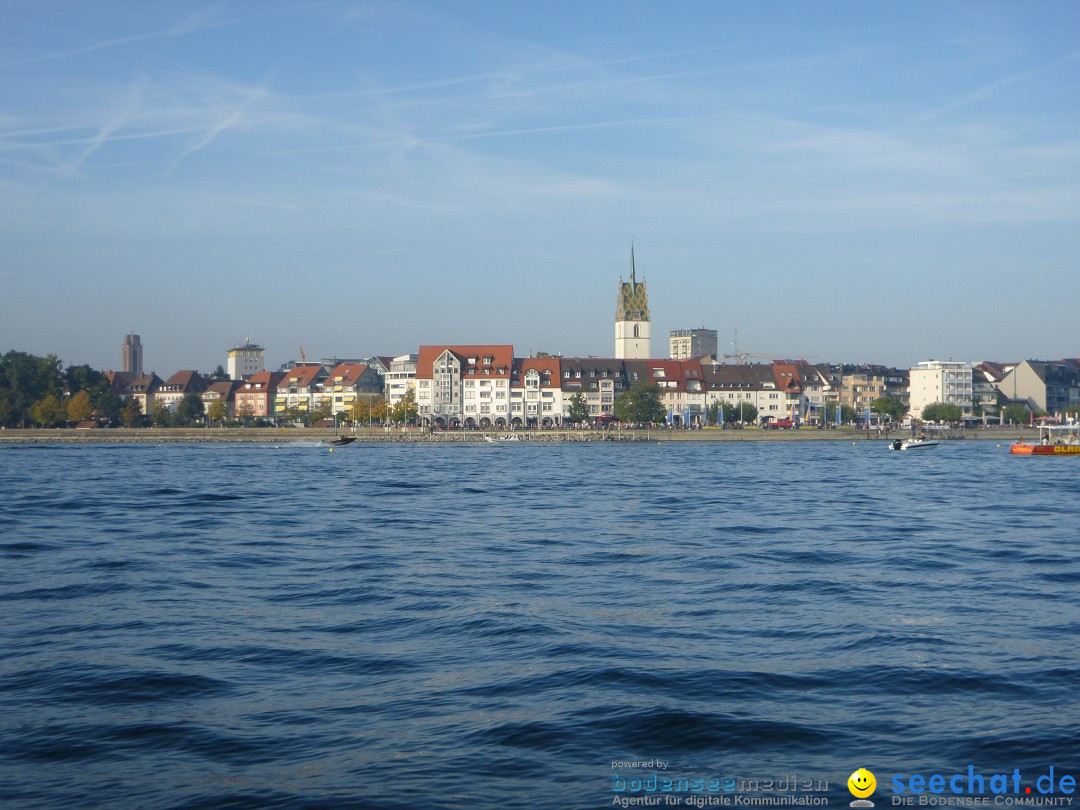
(278, 435)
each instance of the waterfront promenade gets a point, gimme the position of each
(382, 435)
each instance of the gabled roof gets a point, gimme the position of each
(185, 381)
(991, 371)
(265, 380)
(612, 366)
(484, 361)
(723, 377)
(346, 374)
(302, 375)
(666, 373)
(222, 389)
(787, 376)
(549, 369)
(127, 384)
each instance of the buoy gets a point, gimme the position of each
(331, 449)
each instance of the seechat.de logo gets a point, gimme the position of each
(861, 784)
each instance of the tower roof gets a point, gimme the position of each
(632, 303)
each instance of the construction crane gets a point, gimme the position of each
(740, 357)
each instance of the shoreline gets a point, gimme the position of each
(415, 435)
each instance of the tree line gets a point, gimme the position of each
(40, 391)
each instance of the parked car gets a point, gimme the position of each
(779, 424)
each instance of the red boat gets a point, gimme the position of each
(1056, 440)
(342, 440)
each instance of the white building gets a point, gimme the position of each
(946, 381)
(246, 361)
(536, 396)
(464, 385)
(400, 378)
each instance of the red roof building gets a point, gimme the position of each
(256, 396)
(464, 385)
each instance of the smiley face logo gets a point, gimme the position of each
(861, 783)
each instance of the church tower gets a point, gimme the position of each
(632, 326)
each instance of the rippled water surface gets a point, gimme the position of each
(494, 626)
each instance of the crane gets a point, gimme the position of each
(740, 357)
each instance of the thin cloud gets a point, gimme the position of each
(225, 123)
(109, 128)
(989, 90)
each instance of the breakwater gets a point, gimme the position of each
(396, 435)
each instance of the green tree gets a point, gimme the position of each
(132, 414)
(28, 379)
(942, 412)
(160, 415)
(888, 406)
(291, 414)
(108, 407)
(84, 378)
(321, 411)
(216, 411)
(1014, 413)
(50, 411)
(219, 374)
(369, 408)
(404, 409)
(578, 410)
(743, 411)
(640, 404)
(80, 406)
(847, 413)
(190, 408)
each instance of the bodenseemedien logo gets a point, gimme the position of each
(861, 784)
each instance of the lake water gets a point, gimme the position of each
(409, 626)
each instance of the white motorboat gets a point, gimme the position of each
(501, 439)
(912, 444)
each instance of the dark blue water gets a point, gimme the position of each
(410, 626)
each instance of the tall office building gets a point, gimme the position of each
(685, 344)
(131, 355)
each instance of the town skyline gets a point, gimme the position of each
(842, 181)
(730, 354)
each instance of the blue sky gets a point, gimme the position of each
(842, 181)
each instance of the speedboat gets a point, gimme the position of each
(501, 439)
(340, 440)
(912, 444)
